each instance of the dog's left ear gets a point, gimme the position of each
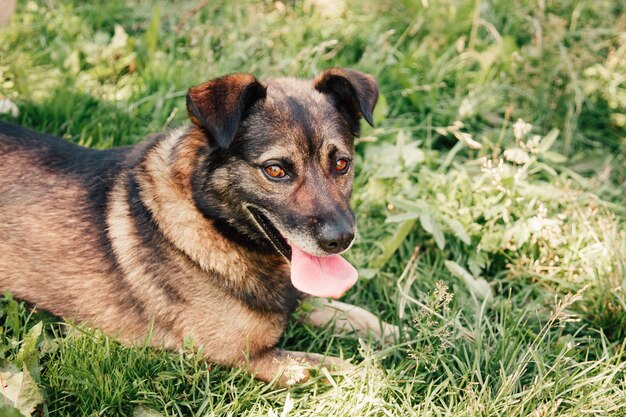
(354, 93)
(219, 106)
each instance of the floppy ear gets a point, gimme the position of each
(354, 93)
(219, 106)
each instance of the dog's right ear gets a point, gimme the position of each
(219, 106)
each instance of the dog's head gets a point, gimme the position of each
(278, 165)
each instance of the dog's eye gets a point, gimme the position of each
(274, 171)
(341, 165)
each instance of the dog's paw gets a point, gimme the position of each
(293, 370)
(367, 324)
(385, 333)
(287, 368)
(347, 319)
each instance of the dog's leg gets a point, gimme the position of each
(347, 318)
(288, 367)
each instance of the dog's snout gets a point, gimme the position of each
(336, 240)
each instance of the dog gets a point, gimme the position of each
(214, 231)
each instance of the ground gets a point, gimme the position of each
(490, 199)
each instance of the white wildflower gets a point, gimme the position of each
(547, 229)
(532, 145)
(521, 129)
(495, 172)
(516, 155)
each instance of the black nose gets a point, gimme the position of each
(336, 241)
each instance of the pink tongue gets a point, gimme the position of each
(322, 276)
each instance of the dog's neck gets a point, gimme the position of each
(164, 177)
(151, 195)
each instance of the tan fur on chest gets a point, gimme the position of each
(181, 288)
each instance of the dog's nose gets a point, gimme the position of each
(336, 241)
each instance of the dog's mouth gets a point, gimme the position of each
(271, 232)
(322, 276)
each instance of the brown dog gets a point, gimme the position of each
(213, 232)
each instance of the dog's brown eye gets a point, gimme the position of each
(341, 165)
(274, 171)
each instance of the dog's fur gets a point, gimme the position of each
(162, 233)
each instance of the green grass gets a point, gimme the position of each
(500, 255)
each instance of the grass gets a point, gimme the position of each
(497, 245)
